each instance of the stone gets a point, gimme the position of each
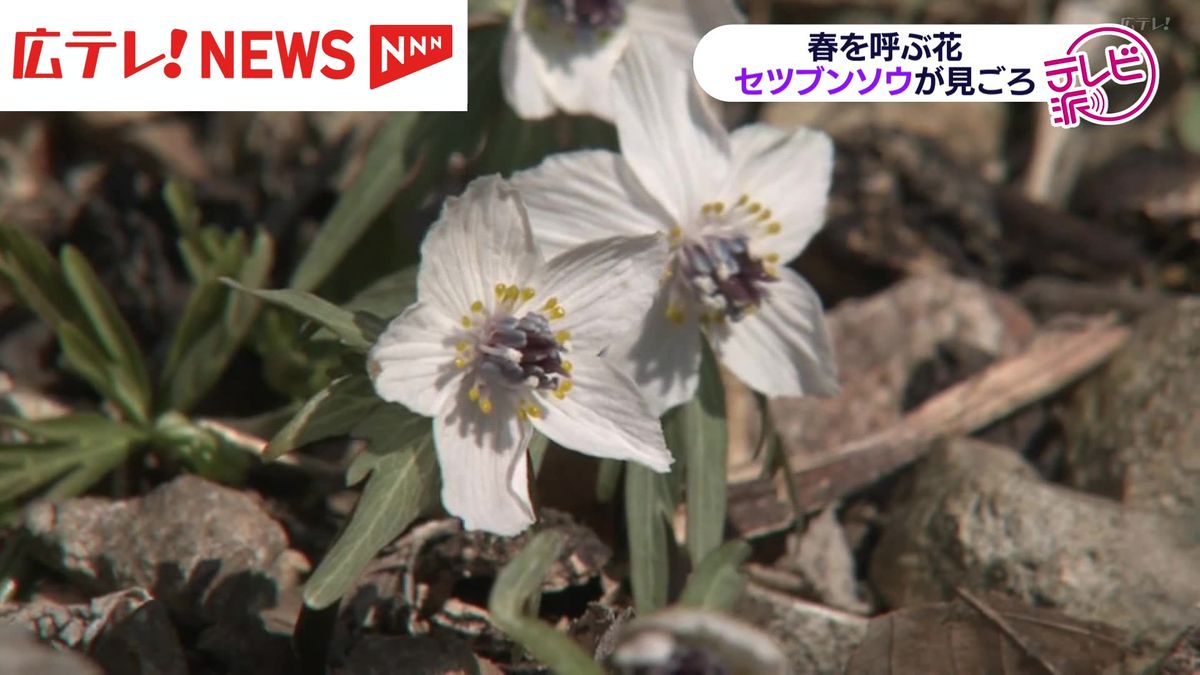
(817, 640)
(126, 632)
(203, 549)
(1134, 429)
(20, 654)
(978, 516)
(886, 345)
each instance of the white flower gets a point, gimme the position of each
(500, 340)
(559, 54)
(736, 209)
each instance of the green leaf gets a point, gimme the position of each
(215, 323)
(513, 602)
(333, 411)
(356, 330)
(647, 524)
(608, 479)
(537, 451)
(91, 446)
(106, 322)
(384, 172)
(181, 202)
(403, 484)
(716, 583)
(36, 277)
(388, 296)
(702, 438)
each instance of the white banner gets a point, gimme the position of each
(233, 55)
(1072, 67)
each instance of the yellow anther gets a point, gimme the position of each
(485, 406)
(466, 321)
(676, 232)
(718, 207)
(511, 293)
(477, 306)
(500, 288)
(550, 304)
(474, 393)
(705, 208)
(566, 366)
(527, 293)
(774, 228)
(676, 314)
(558, 312)
(755, 207)
(462, 346)
(765, 215)
(533, 411)
(460, 362)
(562, 336)
(771, 257)
(743, 199)
(521, 415)
(771, 271)
(563, 387)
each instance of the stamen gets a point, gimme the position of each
(558, 312)
(676, 315)
(533, 411)
(500, 288)
(511, 293)
(771, 257)
(765, 215)
(462, 346)
(477, 306)
(755, 207)
(527, 293)
(562, 336)
(676, 232)
(460, 362)
(485, 406)
(566, 366)
(466, 321)
(718, 207)
(550, 304)
(474, 393)
(743, 199)
(774, 228)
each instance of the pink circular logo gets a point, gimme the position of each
(1078, 87)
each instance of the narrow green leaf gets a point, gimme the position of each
(514, 598)
(333, 411)
(106, 322)
(716, 583)
(70, 427)
(537, 451)
(403, 484)
(388, 426)
(648, 529)
(356, 330)
(383, 174)
(36, 277)
(215, 323)
(388, 296)
(181, 202)
(704, 442)
(608, 479)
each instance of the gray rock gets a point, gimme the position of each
(126, 632)
(979, 517)
(883, 345)
(203, 549)
(20, 654)
(1134, 428)
(817, 640)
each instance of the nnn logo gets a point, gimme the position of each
(397, 51)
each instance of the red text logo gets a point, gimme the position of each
(397, 51)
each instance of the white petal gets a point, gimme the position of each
(521, 73)
(682, 22)
(788, 172)
(481, 239)
(668, 134)
(604, 287)
(485, 473)
(604, 416)
(783, 349)
(579, 80)
(576, 197)
(663, 357)
(412, 362)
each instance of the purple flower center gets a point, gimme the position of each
(726, 278)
